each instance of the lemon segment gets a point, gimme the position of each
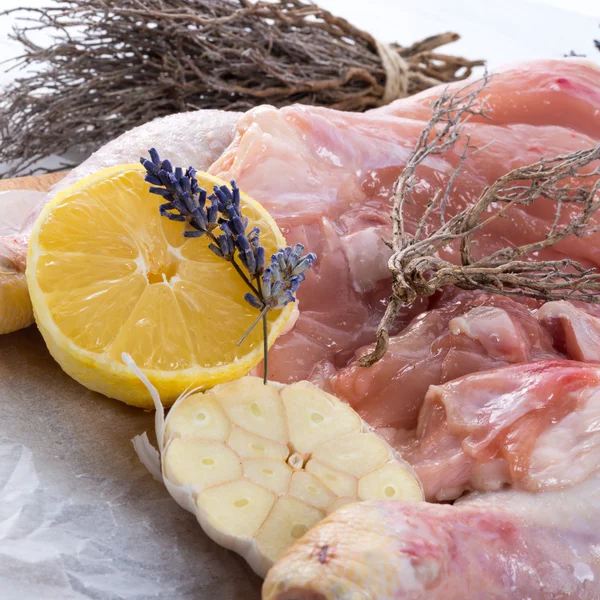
(107, 275)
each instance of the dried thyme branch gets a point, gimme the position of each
(416, 268)
(114, 65)
(223, 223)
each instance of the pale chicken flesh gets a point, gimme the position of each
(327, 177)
(530, 426)
(462, 333)
(574, 330)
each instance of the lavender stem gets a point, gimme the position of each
(254, 324)
(265, 348)
(232, 260)
(265, 333)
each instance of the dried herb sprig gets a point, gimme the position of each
(113, 65)
(417, 270)
(271, 288)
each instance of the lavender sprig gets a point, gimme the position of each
(272, 287)
(282, 278)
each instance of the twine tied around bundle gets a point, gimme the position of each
(396, 73)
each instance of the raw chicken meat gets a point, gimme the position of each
(548, 92)
(574, 330)
(15, 306)
(466, 332)
(327, 176)
(532, 426)
(496, 546)
(192, 138)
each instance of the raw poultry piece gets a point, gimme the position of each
(575, 330)
(542, 92)
(506, 544)
(335, 173)
(465, 332)
(260, 465)
(530, 426)
(196, 137)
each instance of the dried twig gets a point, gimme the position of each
(416, 268)
(116, 64)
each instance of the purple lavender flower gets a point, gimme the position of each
(282, 278)
(272, 287)
(186, 200)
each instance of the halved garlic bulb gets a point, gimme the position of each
(260, 465)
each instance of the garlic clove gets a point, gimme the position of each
(340, 483)
(289, 520)
(310, 489)
(202, 416)
(315, 417)
(356, 453)
(238, 507)
(273, 474)
(390, 482)
(250, 445)
(198, 463)
(256, 407)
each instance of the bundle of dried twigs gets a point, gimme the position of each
(119, 63)
(416, 267)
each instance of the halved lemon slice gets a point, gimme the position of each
(107, 275)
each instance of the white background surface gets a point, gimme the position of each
(498, 30)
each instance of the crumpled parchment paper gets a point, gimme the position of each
(80, 516)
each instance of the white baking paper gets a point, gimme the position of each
(80, 516)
